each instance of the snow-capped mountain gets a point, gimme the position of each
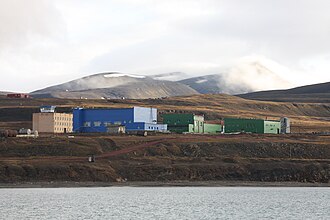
(116, 85)
(247, 75)
(173, 76)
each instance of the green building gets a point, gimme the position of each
(272, 127)
(212, 128)
(191, 123)
(233, 125)
(257, 126)
(180, 123)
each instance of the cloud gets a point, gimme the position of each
(21, 22)
(44, 42)
(29, 37)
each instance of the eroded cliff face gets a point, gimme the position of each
(255, 159)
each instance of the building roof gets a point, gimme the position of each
(101, 108)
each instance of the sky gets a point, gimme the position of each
(46, 42)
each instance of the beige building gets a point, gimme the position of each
(50, 122)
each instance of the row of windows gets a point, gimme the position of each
(270, 125)
(63, 119)
(63, 123)
(153, 128)
(99, 123)
(62, 129)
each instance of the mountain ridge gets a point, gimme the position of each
(319, 92)
(115, 85)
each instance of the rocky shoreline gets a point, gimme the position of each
(68, 184)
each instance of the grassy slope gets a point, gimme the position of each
(306, 117)
(187, 157)
(177, 157)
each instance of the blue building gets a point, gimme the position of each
(98, 120)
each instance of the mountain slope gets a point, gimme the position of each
(4, 92)
(115, 85)
(215, 84)
(173, 76)
(248, 75)
(311, 93)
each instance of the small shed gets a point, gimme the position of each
(18, 95)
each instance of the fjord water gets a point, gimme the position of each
(166, 203)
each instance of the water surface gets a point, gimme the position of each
(166, 203)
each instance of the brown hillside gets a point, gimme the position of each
(306, 117)
(299, 158)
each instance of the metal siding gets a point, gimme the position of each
(125, 116)
(272, 127)
(191, 128)
(184, 123)
(178, 129)
(122, 116)
(147, 115)
(77, 120)
(233, 125)
(155, 127)
(199, 118)
(139, 126)
(212, 128)
(178, 119)
(285, 125)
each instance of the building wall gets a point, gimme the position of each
(63, 123)
(147, 115)
(155, 127)
(138, 126)
(116, 129)
(191, 128)
(18, 95)
(212, 128)
(52, 122)
(178, 129)
(272, 127)
(199, 118)
(180, 123)
(199, 123)
(285, 125)
(43, 122)
(197, 127)
(178, 119)
(233, 125)
(97, 120)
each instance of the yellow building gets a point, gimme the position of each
(51, 122)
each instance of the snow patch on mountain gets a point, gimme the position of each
(201, 81)
(115, 75)
(173, 76)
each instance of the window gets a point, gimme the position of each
(97, 123)
(87, 124)
(107, 123)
